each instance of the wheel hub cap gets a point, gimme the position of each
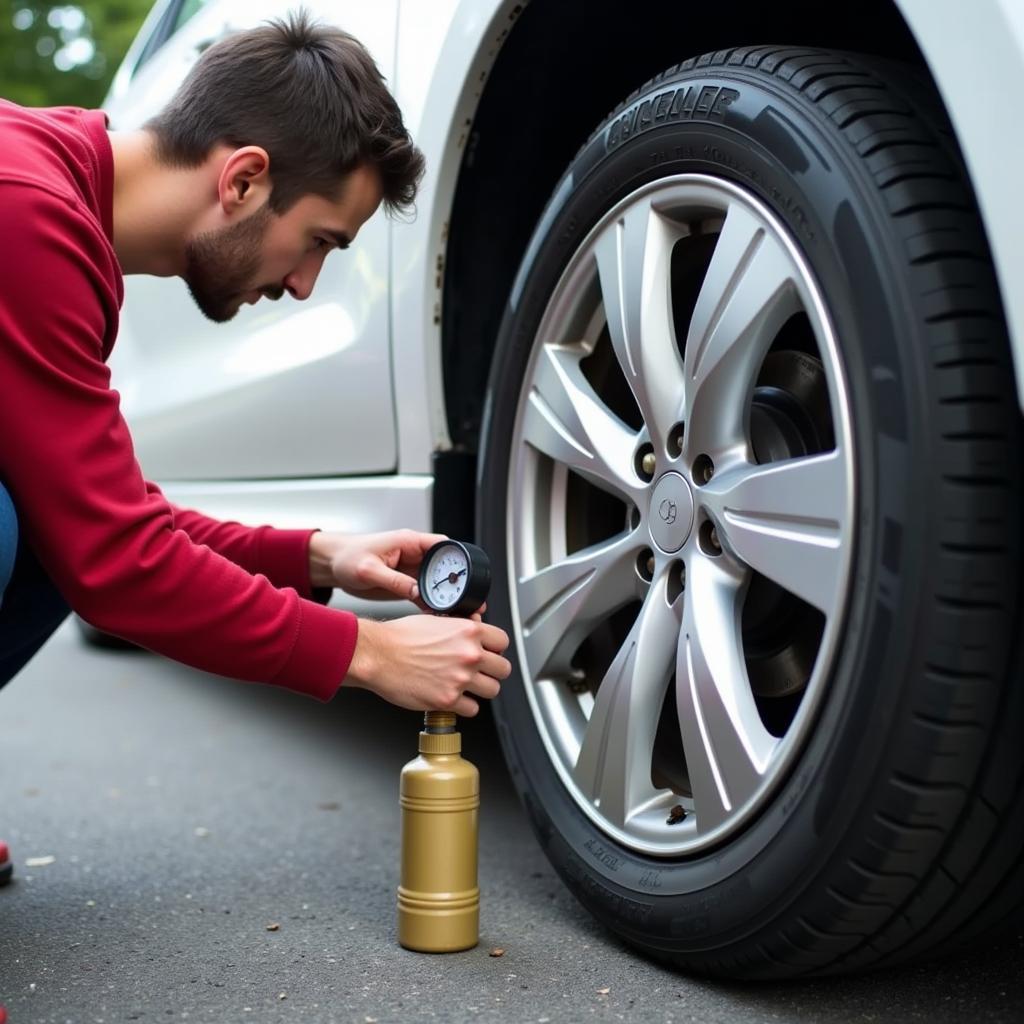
(671, 513)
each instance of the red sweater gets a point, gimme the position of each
(219, 596)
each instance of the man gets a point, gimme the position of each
(278, 147)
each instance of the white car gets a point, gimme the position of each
(732, 378)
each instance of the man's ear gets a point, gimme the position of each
(244, 179)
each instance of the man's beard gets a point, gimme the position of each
(221, 266)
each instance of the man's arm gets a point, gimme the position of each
(109, 544)
(283, 556)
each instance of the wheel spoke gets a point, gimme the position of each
(747, 295)
(560, 605)
(614, 764)
(634, 257)
(786, 520)
(727, 747)
(568, 422)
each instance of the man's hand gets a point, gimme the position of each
(426, 663)
(373, 566)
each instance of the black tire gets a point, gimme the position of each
(898, 833)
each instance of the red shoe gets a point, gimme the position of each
(6, 867)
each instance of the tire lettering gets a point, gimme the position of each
(683, 103)
(608, 859)
(623, 908)
(726, 97)
(686, 103)
(781, 200)
(662, 105)
(650, 879)
(644, 117)
(706, 99)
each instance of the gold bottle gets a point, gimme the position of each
(438, 898)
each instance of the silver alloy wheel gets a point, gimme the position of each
(701, 516)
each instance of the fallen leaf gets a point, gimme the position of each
(39, 862)
(603, 991)
(273, 927)
(497, 951)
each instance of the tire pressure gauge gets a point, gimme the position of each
(454, 578)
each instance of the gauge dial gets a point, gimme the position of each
(454, 578)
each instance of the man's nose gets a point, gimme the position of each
(299, 283)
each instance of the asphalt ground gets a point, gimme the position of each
(208, 850)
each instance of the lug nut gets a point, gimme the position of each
(675, 439)
(644, 461)
(703, 470)
(709, 542)
(577, 680)
(645, 564)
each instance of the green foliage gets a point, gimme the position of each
(53, 54)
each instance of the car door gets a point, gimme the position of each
(285, 390)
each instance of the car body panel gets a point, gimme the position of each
(207, 401)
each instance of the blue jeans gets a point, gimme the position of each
(31, 608)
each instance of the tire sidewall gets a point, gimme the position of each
(774, 143)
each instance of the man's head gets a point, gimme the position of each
(308, 142)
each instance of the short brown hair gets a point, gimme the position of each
(310, 95)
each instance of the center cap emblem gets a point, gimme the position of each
(672, 512)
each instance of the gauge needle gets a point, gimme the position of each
(452, 577)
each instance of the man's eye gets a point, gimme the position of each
(321, 243)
